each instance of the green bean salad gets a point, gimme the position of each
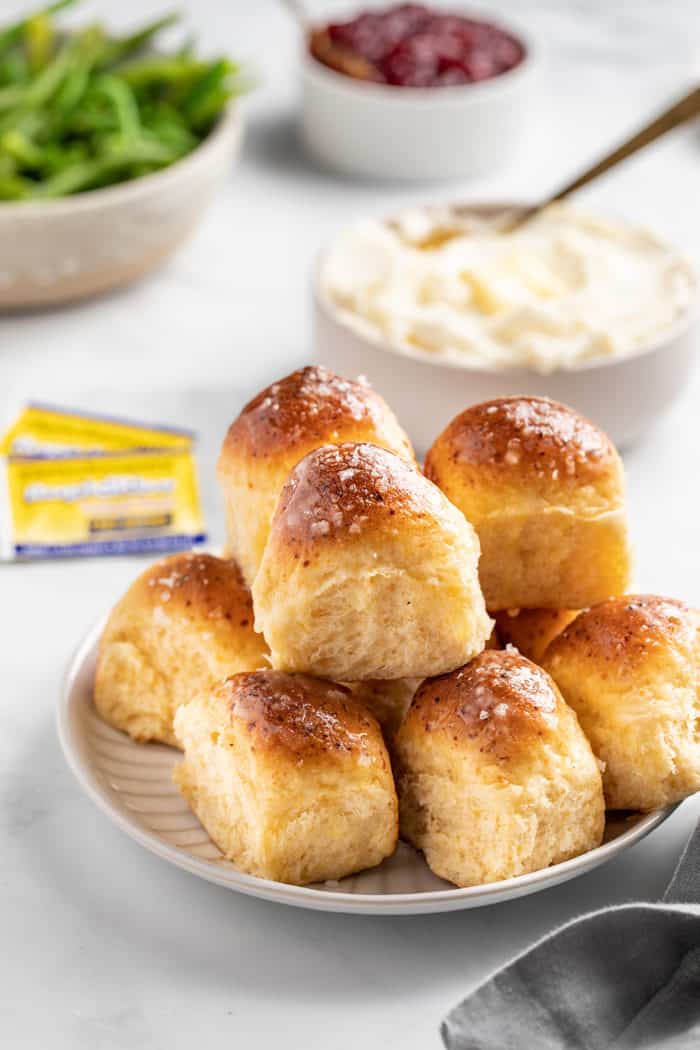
(85, 109)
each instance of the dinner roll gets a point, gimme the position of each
(531, 630)
(289, 775)
(495, 775)
(630, 668)
(182, 625)
(368, 572)
(544, 489)
(308, 408)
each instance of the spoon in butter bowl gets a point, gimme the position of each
(682, 111)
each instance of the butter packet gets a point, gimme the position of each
(61, 494)
(47, 430)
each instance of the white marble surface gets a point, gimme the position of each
(104, 946)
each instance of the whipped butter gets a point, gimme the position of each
(565, 288)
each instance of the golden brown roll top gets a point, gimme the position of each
(629, 634)
(193, 585)
(523, 443)
(342, 491)
(544, 489)
(368, 572)
(307, 718)
(630, 668)
(184, 623)
(500, 703)
(289, 775)
(307, 409)
(495, 775)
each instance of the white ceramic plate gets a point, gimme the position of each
(132, 784)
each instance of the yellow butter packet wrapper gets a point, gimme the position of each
(46, 430)
(99, 503)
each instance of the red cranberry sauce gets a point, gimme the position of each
(410, 45)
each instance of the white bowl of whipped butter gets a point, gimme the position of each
(442, 307)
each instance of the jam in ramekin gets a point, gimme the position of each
(409, 45)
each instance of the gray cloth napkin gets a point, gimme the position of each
(624, 978)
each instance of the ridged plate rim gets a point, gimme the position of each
(74, 697)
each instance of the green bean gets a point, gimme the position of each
(15, 188)
(17, 145)
(49, 79)
(14, 67)
(70, 93)
(173, 133)
(39, 36)
(11, 96)
(209, 108)
(82, 175)
(14, 32)
(30, 123)
(209, 83)
(125, 106)
(128, 45)
(161, 69)
(59, 157)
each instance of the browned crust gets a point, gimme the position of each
(342, 490)
(522, 437)
(625, 631)
(306, 717)
(198, 584)
(312, 406)
(499, 701)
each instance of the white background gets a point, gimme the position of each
(103, 946)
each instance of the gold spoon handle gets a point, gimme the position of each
(681, 111)
(685, 109)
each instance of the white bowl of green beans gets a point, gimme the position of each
(110, 149)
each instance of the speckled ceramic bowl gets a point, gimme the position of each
(58, 251)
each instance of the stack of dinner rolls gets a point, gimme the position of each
(447, 654)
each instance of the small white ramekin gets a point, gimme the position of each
(623, 396)
(56, 251)
(387, 132)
